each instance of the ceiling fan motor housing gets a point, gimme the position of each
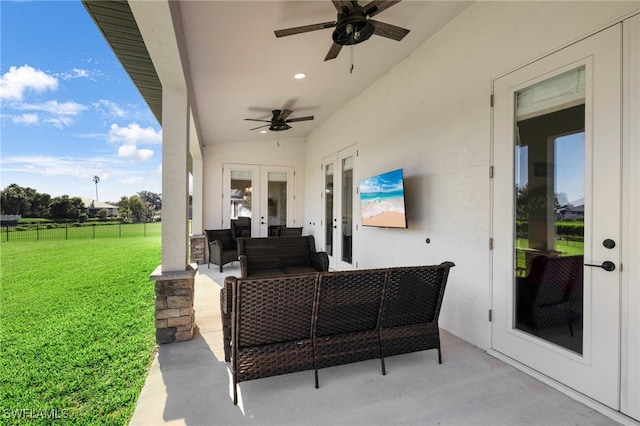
(352, 29)
(279, 127)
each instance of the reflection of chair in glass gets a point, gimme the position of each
(551, 294)
(290, 232)
(222, 247)
(241, 227)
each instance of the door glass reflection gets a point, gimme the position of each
(549, 210)
(347, 208)
(328, 209)
(277, 199)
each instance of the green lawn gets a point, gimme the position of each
(567, 248)
(77, 330)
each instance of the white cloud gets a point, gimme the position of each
(51, 166)
(131, 180)
(133, 134)
(26, 119)
(132, 152)
(130, 137)
(109, 108)
(74, 73)
(15, 82)
(59, 114)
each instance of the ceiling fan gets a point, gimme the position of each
(279, 121)
(352, 25)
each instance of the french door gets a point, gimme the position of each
(337, 208)
(262, 196)
(556, 216)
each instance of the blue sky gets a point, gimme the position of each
(69, 111)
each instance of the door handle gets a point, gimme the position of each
(606, 265)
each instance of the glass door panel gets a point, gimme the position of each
(241, 201)
(276, 201)
(347, 209)
(549, 211)
(329, 218)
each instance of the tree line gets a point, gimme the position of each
(29, 203)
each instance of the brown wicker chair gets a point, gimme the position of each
(551, 294)
(290, 232)
(222, 247)
(241, 227)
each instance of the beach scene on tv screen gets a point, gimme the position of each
(382, 200)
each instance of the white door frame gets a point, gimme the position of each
(259, 202)
(339, 229)
(600, 301)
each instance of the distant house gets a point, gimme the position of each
(94, 206)
(9, 219)
(571, 211)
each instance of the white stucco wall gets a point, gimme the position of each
(431, 116)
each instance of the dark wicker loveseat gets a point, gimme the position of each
(268, 257)
(222, 247)
(303, 322)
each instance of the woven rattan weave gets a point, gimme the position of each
(291, 323)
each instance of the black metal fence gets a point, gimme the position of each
(68, 231)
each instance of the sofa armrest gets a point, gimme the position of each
(319, 260)
(226, 306)
(215, 246)
(244, 267)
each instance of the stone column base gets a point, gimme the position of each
(174, 315)
(197, 248)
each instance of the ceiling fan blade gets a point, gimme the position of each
(293, 120)
(377, 6)
(260, 127)
(388, 30)
(340, 4)
(304, 29)
(334, 50)
(284, 114)
(253, 119)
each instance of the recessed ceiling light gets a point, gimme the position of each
(300, 76)
(263, 131)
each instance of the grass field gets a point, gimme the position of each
(76, 329)
(565, 247)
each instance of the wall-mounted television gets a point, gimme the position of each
(382, 200)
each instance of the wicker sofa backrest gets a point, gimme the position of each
(274, 310)
(294, 251)
(349, 301)
(414, 294)
(260, 252)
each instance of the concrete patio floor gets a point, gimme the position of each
(190, 384)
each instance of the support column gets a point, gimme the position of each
(197, 237)
(175, 179)
(175, 278)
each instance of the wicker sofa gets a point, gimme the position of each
(268, 257)
(300, 322)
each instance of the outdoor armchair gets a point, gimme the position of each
(222, 247)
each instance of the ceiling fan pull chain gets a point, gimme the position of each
(351, 56)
